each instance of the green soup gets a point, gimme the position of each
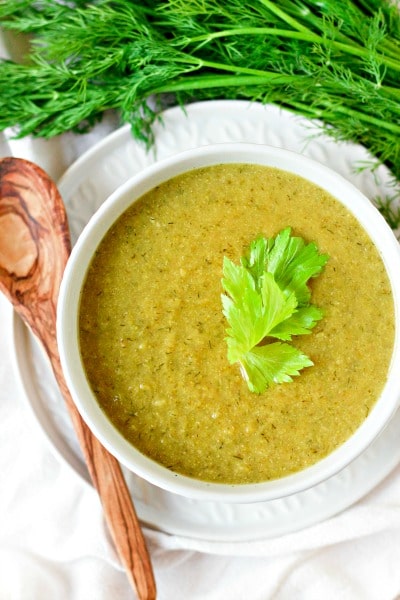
(152, 330)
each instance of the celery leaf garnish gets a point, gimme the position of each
(267, 296)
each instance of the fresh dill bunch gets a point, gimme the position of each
(334, 61)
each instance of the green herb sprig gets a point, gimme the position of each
(267, 298)
(336, 61)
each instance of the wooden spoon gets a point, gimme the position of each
(34, 248)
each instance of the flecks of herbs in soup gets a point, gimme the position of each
(152, 332)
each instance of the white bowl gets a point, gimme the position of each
(68, 308)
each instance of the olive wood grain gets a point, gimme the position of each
(34, 248)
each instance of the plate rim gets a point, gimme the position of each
(71, 173)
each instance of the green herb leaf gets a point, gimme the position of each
(301, 322)
(267, 297)
(272, 364)
(291, 261)
(335, 62)
(253, 313)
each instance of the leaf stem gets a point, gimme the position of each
(202, 82)
(324, 112)
(213, 81)
(303, 35)
(274, 9)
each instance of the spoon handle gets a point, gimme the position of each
(118, 508)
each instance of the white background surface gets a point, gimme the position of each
(54, 545)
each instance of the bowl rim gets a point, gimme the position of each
(68, 306)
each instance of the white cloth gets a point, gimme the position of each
(54, 544)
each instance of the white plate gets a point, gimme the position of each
(84, 187)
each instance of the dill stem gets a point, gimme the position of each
(353, 49)
(271, 6)
(305, 36)
(200, 63)
(367, 118)
(296, 35)
(362, 53)
(386, 46)
(391, 48)
(202, 82)
(324, 110)
(395, 92)
(193, 82)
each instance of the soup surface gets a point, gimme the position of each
(152, 329)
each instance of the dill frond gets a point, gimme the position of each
(335, 61)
